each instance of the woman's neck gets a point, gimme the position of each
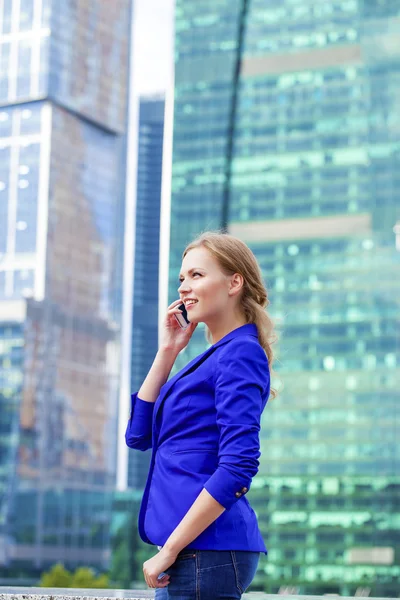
(220, 329)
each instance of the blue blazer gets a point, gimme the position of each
(204, 432)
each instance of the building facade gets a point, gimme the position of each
(147, 251)
(286, 133)
(63, 102)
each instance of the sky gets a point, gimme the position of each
(153, 29)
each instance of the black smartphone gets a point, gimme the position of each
(182, 318)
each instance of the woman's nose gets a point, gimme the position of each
(183, 287)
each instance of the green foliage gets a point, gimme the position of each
(58, 576)
(83, 577)
(102, 582)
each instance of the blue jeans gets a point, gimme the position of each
(209, 575)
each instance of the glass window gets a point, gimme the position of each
(26, 15)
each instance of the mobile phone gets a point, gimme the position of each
(182, 318)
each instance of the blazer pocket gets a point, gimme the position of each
(200, 451)
(203, 461)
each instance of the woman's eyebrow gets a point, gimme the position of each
(191, 271)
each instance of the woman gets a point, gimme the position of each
(203, 426)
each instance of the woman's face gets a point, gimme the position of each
(203, 282)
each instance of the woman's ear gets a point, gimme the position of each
(236, 284)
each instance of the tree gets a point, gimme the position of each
(83, 577)
(58, 576)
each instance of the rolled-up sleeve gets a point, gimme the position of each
(241, 379)
(138, 433)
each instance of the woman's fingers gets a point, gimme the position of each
(153, 582)
(173, 311)
(174, 304)
(162, 581)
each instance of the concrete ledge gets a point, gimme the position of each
(32, 593)
(39, 593)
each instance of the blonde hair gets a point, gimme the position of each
(234, 256)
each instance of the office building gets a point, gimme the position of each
(63, 104)
(286, 132)
(147, 250)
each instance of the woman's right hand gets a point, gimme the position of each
(173, 336)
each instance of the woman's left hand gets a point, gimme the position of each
(153, 567)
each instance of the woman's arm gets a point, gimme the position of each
(204, 511)
(173, 340)
(241, 382)
(138, 433)
(158, 374)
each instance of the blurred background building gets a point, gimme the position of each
(147, 249)
(63, 104)
(286, 132)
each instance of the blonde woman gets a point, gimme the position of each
(203, 427)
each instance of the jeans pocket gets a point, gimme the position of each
(185, 556)
(245, 565)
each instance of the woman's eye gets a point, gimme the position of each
(194, 274)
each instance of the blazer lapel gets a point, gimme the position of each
(166, 388)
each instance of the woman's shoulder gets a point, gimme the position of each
(242, 358)
(245, 346)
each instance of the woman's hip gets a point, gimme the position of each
(210, 575)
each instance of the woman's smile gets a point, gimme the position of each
(189, 302)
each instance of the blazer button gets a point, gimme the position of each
(238, 494)
(244, 490)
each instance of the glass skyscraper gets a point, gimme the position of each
(147, 251)
(286, 133)
(63, 97)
